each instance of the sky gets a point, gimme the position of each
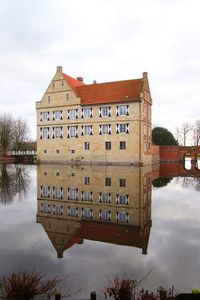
(105, 40)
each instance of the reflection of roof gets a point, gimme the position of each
(108, 92)
(118, 234)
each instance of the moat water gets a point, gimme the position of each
(88, 224)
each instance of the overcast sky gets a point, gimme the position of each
(105, 40)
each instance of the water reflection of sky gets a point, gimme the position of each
(173, 251)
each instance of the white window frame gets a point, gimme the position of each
(72, 194)
(105, 197)
(72, 113)
(122, 217)
(123, 110)
(87, 112)
(57, 115)
(122, 199)
(105, 111)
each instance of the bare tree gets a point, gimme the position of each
(196, 133)
(20, 134)
(184, 131)
(6, 133)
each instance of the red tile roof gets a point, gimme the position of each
(108, 92)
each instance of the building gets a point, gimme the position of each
(98, 123)
(101, 203)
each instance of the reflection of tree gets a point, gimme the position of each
(161, 181)
(197, 184)
(12, 183)
(189, 182)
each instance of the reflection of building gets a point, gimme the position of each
(99, 122)
(106, 204)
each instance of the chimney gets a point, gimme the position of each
(79, 79)
(145, 74)
(59, 69)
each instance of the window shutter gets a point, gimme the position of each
(100, 214)
(100, 129)
(127, 128)
(90, 129)
(127, 199)
(117, 199)
(127, 217)
(53, 116)
(91, 196)
(68, 132)
(91, 113)
(53, 192)
(68, 117)
(109, 129)
(67, 193)
(82, 130)
(76, 131)
(61, 132)
(40, 117)
(117, 111)
(100, 112)
(61, 115)
(76, 113)
(109, 111)
(48, 134)
(100, 197)
(109, 215)
(117, 128)
(48, 116)
(81, 113)
(76, 194)
(48, 191)
(41, 187)
(40, 133)
(53, 134)
(127, 110)
(117, 217)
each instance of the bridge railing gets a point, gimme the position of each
(22, 152)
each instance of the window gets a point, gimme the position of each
(62, 83)
(72, 114)
(86, 180)
(105, 129)
(57, 115)
(45, 191)
(44, 132)
(72, 211)
(87, 196)
(57, 209)
(87, 146)
(108, 145)
(123, 110)
(57, 151)
(53, 84)
(105, 111)
(104, 197)
(49, 99)
(72, 194)
(122, 199)
(122, 145)
(107, 181)
(86, 112)
(122, 128)
(57, 192)
(86, 213)
(45, 116)
(45, 151)
(105, 215)
(123, 217)
(67, 97)
(86, 130)
(57, 132)
(122, 182)
(72, 131)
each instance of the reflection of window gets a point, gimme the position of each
(45, 191)
(86, 196)
(86, 180)
(86, 213)
(187, 161)
(72, 194)
(107, 181)
(45, 208)
(122, 182)
(104, 197)
(72, 211)
(122, 217)
(198, 161)
(122, 199)
(57, 209)
(58, 192)
(105, 215)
